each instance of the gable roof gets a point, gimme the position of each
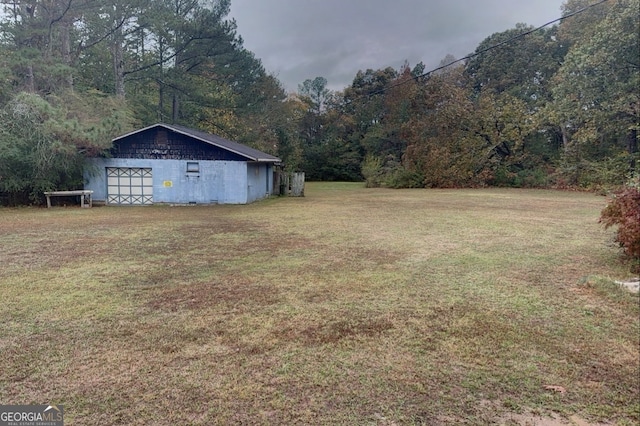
(245, 151)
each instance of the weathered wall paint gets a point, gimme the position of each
(258, 177)
(215, 182)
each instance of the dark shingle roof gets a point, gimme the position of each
(249, 153)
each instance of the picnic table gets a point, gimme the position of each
(85, 196)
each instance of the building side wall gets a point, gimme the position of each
(209, 182)
(259, 181)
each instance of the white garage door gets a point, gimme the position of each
(131, 186)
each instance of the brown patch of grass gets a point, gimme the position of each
(232, 292)
(332, 328)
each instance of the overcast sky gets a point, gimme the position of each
(303, 39)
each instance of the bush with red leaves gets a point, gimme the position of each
(624, 210)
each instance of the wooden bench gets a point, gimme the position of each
(85, 197)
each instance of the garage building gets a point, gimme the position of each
(178, 165)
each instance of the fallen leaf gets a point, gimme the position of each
(559, 389)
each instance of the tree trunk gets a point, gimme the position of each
(118, 63)
(160, 101)
(565, 138)
(175, 109)
(632, 147)
(31, 85)
(66, 51)
(161, 84)
(632, 141)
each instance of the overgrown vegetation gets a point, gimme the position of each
(43, 142)
(436, 307)
(623, 211)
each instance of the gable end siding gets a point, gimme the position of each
(156, 144)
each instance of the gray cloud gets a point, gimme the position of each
(301, 39)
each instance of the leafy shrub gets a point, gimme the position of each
(372, 171)
(390, 173)
(403, 178)
(605, 174)
(601, 175)
(624, 210)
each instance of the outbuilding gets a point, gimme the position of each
(177, 165)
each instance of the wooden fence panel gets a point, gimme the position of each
(289, 184)
(296, 184)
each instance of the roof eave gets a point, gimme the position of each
(267, 160)
(137, 131)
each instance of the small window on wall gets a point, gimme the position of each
(193, 167)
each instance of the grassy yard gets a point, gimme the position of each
(348, 306)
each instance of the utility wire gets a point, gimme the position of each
(495, 46)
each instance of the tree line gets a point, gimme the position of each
(557, 107)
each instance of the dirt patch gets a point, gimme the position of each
(535, 420)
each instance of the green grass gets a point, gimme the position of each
(348, 306)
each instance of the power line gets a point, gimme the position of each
(495, 46)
